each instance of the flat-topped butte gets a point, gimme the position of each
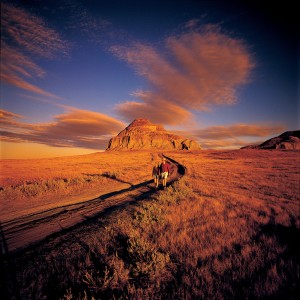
(142, 134)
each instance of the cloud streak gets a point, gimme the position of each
(238, 130)
(195, 71)
(158, 111)
(22, 36)
(87, 129)
(232, 136)
(75, 128)
(30, 32)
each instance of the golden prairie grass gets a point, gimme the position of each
(227, 230)
(32, 183)
(17, 172)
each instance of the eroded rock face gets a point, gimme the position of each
(292, 143)
(287, 140)
(142, 134)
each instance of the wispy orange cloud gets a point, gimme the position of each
(17, 81)
(232, 136)
(75, 128)
(196, 71)
(11, 120)
(4, 114)
(238, 130)
(224, 144)
(24, 35)
(30, 32)
(158, 111)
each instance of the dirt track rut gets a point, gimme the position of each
(27, 230)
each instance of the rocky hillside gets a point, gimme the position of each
(142, 134)
(287, 140)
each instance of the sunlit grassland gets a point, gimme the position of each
(16, 172)
(54, 181)
(228, 229)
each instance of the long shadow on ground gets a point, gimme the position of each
(16, 226)
(84, 209)
(31, 220)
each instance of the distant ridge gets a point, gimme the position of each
(142, 134)
(287, 140)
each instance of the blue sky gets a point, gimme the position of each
(75, 73)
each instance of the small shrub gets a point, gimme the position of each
(149, 213)
(148, 263)
(31, 189)
(180, 190)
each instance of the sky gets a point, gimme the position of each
(75, 73)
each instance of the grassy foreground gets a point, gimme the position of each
(28, 185)
(227, 230)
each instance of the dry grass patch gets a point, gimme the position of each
(35, 183)
(228, 229)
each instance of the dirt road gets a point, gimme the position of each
(32, 228)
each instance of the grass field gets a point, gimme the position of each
(228, 229)
(27, 185)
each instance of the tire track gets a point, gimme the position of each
(31, 229)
